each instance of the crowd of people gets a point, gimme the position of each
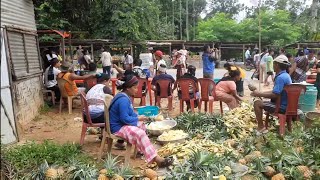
(126, 123)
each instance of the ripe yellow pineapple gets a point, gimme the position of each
(51, 173)
(278, 176)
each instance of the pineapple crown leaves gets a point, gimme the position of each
(39, 174)
(111, 162)
(125, 171)
(84, 172)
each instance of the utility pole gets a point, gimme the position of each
(173, 18)
(259, 36)
(180, 21)
(194, 20)
(187, 19)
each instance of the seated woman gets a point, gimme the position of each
(226, 90)
(125, 123)
(239, 84)
(67, 73)
(50, 77)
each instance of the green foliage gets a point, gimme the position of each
(111, 164)
(26, 157)
(209, 125)
(276, 28)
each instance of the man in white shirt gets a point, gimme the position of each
(247, 54)
(106, 61)
(50, 77)
(262, 66)
(158, 55)
(147, 61)
(128, 61)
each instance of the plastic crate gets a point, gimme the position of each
(148, 110)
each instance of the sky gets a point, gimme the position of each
(249, 3)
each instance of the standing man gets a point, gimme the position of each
(247, 53)
(106, 61)
(208, 63)
(262, 65)
(147, 61)
(158, 55)
(269, 67)
(128, 61)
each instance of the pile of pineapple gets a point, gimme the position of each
(240, 121)
(182, 151)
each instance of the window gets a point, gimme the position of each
(24, 53)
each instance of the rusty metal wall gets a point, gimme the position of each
(18, 13)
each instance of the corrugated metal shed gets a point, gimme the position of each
(18, 13)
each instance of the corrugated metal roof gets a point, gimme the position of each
(18, 13)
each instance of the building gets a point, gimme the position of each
(21, 70)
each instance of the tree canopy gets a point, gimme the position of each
(283, 21)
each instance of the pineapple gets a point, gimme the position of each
(269, 171)
(51, 173)
(222, 177)
(117, 177)
(103, 171)
(248, 177)
(103, 177)
(256, 154)
(307, 173)
(279, 176)
(242, 161)
(150, 173)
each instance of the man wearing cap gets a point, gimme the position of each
(67, 73)
(280, 65)
(158, 55)
(161, 76)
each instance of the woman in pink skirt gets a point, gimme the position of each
(125, 123)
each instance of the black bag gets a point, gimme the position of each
(50, 74)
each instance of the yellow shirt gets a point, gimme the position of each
(242, 71)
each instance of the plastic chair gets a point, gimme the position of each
(293, 93)
(165, 88)
(52, 94)
(89, 83)
(109, 137)
(205, 83)
(184, 85)
(64, 94)
(140, 94)
(85, 125)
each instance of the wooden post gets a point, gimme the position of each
(70, 48)
(170, 54)
(131, 50)
(243, 57)
(63, 50)
(92, 57)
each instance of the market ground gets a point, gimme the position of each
(63, 128)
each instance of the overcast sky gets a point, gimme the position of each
(249, 4)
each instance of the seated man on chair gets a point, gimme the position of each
(281, 64)
(161, 76)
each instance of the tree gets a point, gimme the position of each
(230, 7)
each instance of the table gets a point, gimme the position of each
(79, 82)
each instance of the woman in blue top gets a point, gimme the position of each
(208, 62)
(125, 123)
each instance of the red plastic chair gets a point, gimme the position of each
(165, 88)
(183, 84)
(89, 83)
(293, 93)
(140, 94)
(85, 125)
(205, 84)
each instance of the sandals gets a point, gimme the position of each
(261, 131)
(166, 163)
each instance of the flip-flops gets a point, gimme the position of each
(262, 131)
(166, 163)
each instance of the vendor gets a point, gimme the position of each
(282, 79)
(67, 73)
(125, 123)
(239, 84)
(317, 84)
(226, 89)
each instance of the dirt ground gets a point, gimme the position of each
(63, 128)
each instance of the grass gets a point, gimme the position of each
(27, 157)
(44, 109)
